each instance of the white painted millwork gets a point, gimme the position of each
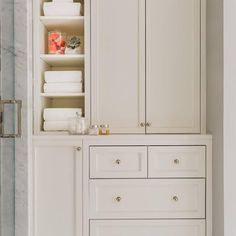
(147, 227)
(124, 199)
(168, 202)
(118, 162)
(57, 188)
(118, 64)
(173, 60)
(81, 192)
(176, 162)
(147, 66)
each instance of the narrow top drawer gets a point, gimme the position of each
(118, 162)
(176, 161)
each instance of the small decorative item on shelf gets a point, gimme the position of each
(77, 125)
(73, 45)
(94, 130)
(56, 42)
(104, 130)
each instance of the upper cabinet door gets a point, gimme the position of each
(173, 66)
(118, 64)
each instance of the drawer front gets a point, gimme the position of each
(118, 162)
(147, 227)
(176, 162)
(162, 198)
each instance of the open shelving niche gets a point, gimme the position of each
(71, 25)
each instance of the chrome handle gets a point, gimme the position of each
(118, 162)
(148, 124)
(142, 124)
(18, 103)
(118, 199)
(175, 198)
(176, 161)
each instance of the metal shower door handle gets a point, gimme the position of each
(18, 103)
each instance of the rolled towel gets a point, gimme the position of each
(55, 125)
(63, 76)
(63, 88)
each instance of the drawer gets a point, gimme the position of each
(176, 161)
(147, 198)
(147, 227)
(118, 162)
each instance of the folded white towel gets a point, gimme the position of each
(63, 76)
(62, 1)
(61, 9)
(60, 114)
(63, 88)
(55, 125)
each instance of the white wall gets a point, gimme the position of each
(230, 116)
(215, 106)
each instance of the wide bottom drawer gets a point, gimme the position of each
(147, 227)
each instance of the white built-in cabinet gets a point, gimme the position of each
(57, 188)
(146, 65)
(143, 73)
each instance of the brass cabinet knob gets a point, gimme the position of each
(148, 124)
(118, 162)
(175, 198)
(78, 149)
(118, 199)
(176, 161)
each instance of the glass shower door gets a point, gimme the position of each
(10, 119)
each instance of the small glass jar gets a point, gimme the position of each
(94, 130)
(104, 130)
(77, 125)
(56, 42)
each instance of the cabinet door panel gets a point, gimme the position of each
(57, 190)
(118, 64)
(173, 66)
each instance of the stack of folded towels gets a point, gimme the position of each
(57, 119)
(62, 8)
(63, 82)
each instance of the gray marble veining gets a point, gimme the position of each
(15, 84)
(7, 157)
(23, 87)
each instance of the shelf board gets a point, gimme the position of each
(68, 24)
(63, 60)
(62, 95)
